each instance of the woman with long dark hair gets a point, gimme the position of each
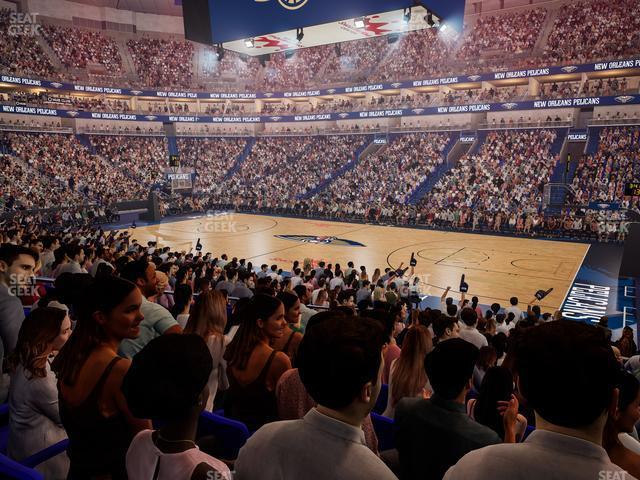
(253, 366)
(93, 409)
(292, 337)
(497, 390)
(34, 417)
(183, 297)
(208, 321)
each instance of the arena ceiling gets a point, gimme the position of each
(160, 7)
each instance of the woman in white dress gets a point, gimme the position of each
(207, 320)
(34, 417)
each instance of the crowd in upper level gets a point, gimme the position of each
(580, 32)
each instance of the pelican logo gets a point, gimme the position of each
(418, 111)
(268, 95)
(288, 4)
(625, 99)
(395, 85)
(331, 90)
(343, 115)
(603, 206)
(474, 78)
(509, 106)
(569, 69)
(151, 117)
(136, 92)
(56, 85)
(72, 113)
(321, 240)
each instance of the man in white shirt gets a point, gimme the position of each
(75, 253)
(468, 330)
(337, 281)
(515, 309)
(568, 374)
(296, 279)
(328, 443)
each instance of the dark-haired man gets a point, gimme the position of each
(468, 330)
(328, 443)
(567, 372)
(157, 319)
(17, 268)
(433, 434)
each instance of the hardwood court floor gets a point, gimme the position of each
(496, 267)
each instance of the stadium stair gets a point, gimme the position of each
(442, 169)
(173, 145)
(241, 158)
(363, 150)
(594, 140)
(84, 140)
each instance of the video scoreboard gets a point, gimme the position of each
(632, 189)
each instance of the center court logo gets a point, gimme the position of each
(288, 4)
(321, 240)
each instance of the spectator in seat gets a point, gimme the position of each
(208, 320)
(434, 434)
(253, 366)
(34, 417)
(468, 330)
(183, 298)
(305, 312)
(487, 358)
(622, 447)
(168, 381)
(17, 268)
(242, 289)
(627, 344)
(513, 308)
(291, 338)
(407, 377)
(445, 328)
(568, 375)
(495, 393)
(157, 319)
(328, 443)
(93, 409)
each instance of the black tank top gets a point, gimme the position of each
(97, 444)
(252, 404)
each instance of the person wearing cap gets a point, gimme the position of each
(433, 434)
(167, 382)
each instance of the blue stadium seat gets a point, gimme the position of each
(381, 403)
(12, 469)
(384, 431)
(4, 427)
(231, 433)
(44, 455)
(527, 432)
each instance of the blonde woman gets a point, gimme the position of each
(208, 320)
(407, 377)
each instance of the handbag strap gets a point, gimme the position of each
(157, 470)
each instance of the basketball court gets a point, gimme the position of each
(496, 267)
